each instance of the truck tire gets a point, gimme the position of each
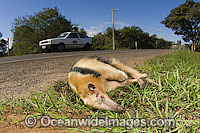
(87, 47)
(61, 47)
(46, 50)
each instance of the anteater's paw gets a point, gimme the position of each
(122, 77)
(140, 76)
(141, 83)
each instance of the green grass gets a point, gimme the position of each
(178, 73)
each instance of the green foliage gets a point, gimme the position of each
(82, 31)
(185, 20)
(3, 46)
(162, 44)
(126, 37)
(25, 47)
(47, 23)
(103, 40)
(23, 33)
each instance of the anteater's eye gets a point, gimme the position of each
(91, 87)
(102, 98)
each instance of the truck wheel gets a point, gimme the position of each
(61, 47)
(46, 50)
(87, 47)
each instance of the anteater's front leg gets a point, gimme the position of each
(112, 85)
(130, 71)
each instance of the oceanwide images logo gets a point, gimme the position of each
(46, 121)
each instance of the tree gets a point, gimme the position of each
(25, 32)
(25, 47)
(25, 41)
(103, 40)
(185, 20)
(47, 23)
(3, 47)
(130, 35)
(162, 44)
(99, 41)
(82, 31)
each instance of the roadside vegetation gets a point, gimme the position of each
(178, 73)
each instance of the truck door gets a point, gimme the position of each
(73, 41)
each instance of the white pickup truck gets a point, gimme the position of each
(67, 40)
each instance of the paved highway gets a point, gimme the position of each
(59, 54)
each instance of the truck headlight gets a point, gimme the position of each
(51, 42)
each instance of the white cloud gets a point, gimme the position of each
(95, 29)
(121, 24)
(118, 24)
(158, 30)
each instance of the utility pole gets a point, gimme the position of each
(136, 45)
(8, 46)
(113, 28)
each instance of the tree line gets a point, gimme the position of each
(127, 38)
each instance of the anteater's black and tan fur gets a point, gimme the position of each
(91, 78)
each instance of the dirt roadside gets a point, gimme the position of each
(21, 78)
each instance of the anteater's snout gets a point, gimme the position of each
(119, 109)
(105, 103)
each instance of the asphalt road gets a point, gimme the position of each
(13, 59)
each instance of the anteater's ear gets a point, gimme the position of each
(91, 87)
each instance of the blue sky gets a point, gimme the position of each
(94, 15)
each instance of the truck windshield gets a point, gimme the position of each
(62, 35)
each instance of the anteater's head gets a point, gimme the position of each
(91, 89)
